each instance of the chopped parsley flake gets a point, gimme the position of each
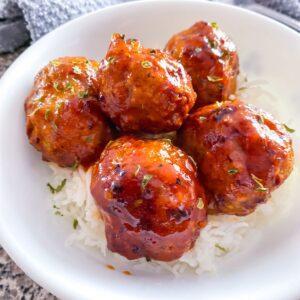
(232, 171)
(213, 78)
(212, 44)
(214, 25)
(75, 166)
(225, 54)
(58, 213)
(289, 129)
(55, 63)
(75, 224)
(146, 64)
(242, 88)
(200, 204)
(145, 181)
(111, 59)
(55, 85)
(58, 105)
(76, 70)
(259, 184)
(47, 114)
(221, 248)
(89, 138)
(83, 94)
(261, 119)
(55, 190)
(132, 42)
(68, 85)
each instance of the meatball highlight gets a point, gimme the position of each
(210, 58)
(143, 90)
(63, 114)
(242, 154)
(151, 201)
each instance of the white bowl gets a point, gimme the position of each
(34, 238)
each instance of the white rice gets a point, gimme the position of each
(222, 238)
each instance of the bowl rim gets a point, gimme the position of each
(8, 241)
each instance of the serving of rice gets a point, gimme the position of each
(222, 238)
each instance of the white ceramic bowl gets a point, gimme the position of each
(34, 238)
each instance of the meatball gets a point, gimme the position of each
(242, 154)
(151, 201)
(210, 57)
(143, 90)
(63, 114)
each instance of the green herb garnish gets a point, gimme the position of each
(146, 64)
(68, 86)
(76, 70)
(47, 114)
(75, 224)
(232, 171)
(83, 94)
(261, 119)
(111, 59)
(55, 190)
(75, 166)
(55, 63)
(213, 78)
(212, 43)
(214, 25)
(58, 213)
(260, 186)
(289, 129)
(221, 248)
(55, 85)
(89, 138)
(58, 105)
(145, 181)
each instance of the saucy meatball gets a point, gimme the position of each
(143, 90)
(151, 201)
(63, 114)
(242, 154)
(210, 57)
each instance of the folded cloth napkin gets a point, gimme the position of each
(25, 19)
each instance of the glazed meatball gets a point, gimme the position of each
(151, 201)
(210, 57)
(63, 114)
(143, 90)
(242, 154)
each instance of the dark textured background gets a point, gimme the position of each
(14, 284)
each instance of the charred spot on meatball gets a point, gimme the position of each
(153, 209)
(63, 115)
(210, 58)
(240, 158)
(143, 90)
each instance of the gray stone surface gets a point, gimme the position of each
(14, 284)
